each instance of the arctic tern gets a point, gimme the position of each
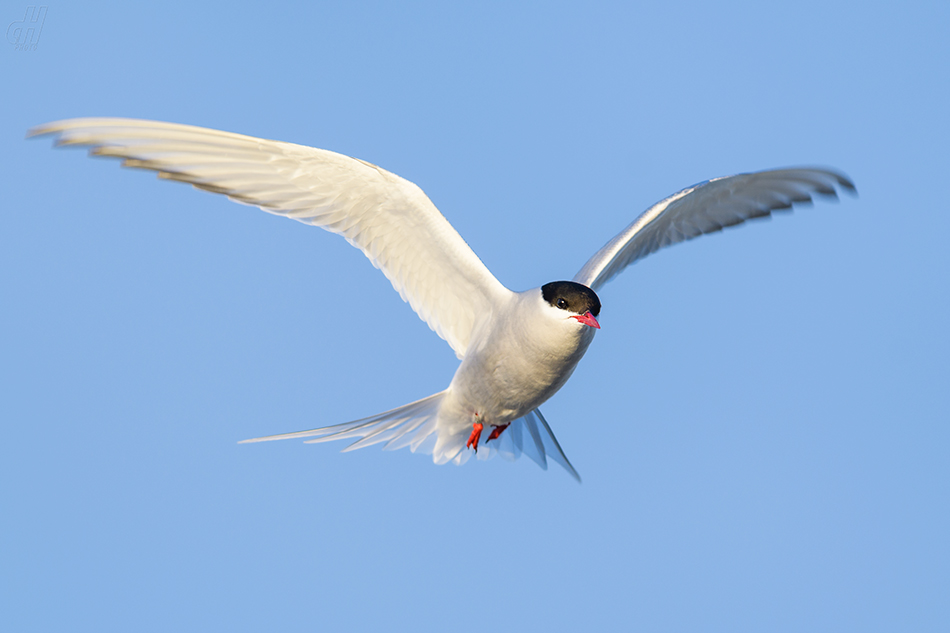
(516, 348)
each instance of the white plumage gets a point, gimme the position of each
(517, 348)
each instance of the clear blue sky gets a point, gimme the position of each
(761, 424)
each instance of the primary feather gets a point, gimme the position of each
(705, 208)
(387, 217)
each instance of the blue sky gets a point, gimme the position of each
(761, 424)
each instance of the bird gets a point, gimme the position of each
(516, 348)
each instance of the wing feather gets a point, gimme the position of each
(706, 208)
(387, 217)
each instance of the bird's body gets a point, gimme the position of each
(516, 348)
(525, 355)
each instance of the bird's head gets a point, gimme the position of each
(577, 300)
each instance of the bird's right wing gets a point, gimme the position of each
(705, 208)
(387, 217)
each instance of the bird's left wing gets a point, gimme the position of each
(387, 217)
(705, 208)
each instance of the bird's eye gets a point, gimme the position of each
(562, 304)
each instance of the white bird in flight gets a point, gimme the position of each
(516, 348)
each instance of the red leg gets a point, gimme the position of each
(475, 436)
(496, 432)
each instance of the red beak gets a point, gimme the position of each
(588, 319)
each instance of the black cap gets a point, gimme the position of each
(570, 295)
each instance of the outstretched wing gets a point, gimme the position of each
(387, 217)
(705, 208)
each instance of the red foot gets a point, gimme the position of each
(474, 437)
(496, 432)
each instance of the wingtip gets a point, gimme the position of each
(59, 128)
(41, 130)
(55, 127)
(848, 185)
(842, 180)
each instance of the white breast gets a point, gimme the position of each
(520, 357)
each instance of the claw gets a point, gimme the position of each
(474, 437)
(496, 432)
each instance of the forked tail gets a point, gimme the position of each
(417, 426)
